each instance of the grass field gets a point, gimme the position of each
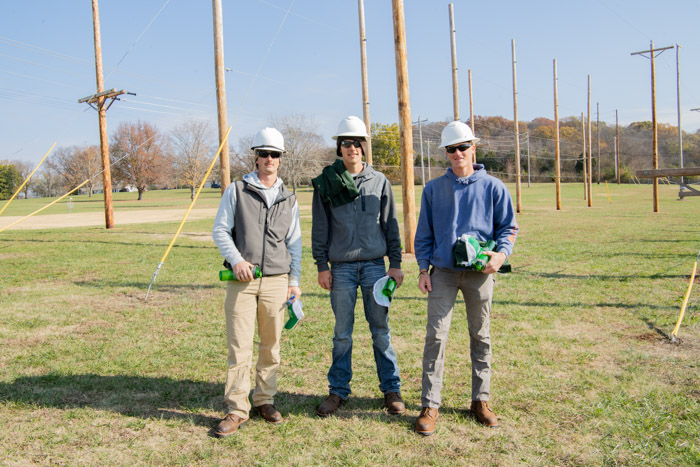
(583, 370)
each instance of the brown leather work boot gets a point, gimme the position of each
(393, 403)
(484, 414)
(269, 413)
(229, 424)
(330, 405)
(425, 425)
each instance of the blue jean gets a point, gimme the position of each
(346, 278)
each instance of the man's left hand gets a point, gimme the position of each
(397, 275)
(496, 260)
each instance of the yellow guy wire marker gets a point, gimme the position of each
(41, 209)
(26, 180)
(674, 334)
(201, 185)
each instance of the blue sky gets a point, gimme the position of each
(303, 56)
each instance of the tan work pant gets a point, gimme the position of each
(477, 290)
(262, 300)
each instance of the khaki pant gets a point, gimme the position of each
(477, 290)
(262, 300)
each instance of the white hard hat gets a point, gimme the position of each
(353, 127)
(457, 132)
(270, 139)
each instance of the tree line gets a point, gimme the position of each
(143, 157)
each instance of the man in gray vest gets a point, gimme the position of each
(257, 225)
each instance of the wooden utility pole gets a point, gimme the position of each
(220, 72)
(517, 134)
(453, 43)
(405, 129)
(420, 137)
(678, 94)
(556, 139)
(583, 158)
(654, 142)
(529, 167)
(427, 145)
(365, 85)
(102, 117)
(471, 109)
(617, 148)
(589, 182)
(597, 134)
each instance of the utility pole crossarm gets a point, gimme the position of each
(102, 97)
(106, 94)
(652, 50)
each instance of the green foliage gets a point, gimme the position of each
(386, 149)
(492, 161)
(10, 180)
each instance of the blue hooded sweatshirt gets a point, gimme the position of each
(479, 205)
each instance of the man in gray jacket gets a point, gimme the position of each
(257, 225)
(354, 227)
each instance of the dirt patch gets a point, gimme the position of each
(648, 337)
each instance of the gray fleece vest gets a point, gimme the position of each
(259, 231)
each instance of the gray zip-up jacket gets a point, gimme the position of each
(265, 231)
(362, 230)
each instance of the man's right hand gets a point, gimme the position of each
(325, 279)
(243, 271)
(424, 283)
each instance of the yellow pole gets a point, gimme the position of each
(48, 205)
(607, 192)
(201, 185)
(27, 180)
(674, 334)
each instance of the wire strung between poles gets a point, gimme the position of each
(199, 190)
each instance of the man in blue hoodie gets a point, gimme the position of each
(464, 201)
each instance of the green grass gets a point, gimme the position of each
(583, 371)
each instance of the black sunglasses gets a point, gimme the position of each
(264, 154)
(461, 147)
(350, 142)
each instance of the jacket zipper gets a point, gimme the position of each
(279, 199)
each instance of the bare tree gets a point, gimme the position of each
(47, 181)
(243, 160)
(75, 164)
(191, 143)
(306, 153)
(138, 157)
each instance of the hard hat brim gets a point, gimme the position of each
(349, 135)
(459, 140)
(269, 148)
